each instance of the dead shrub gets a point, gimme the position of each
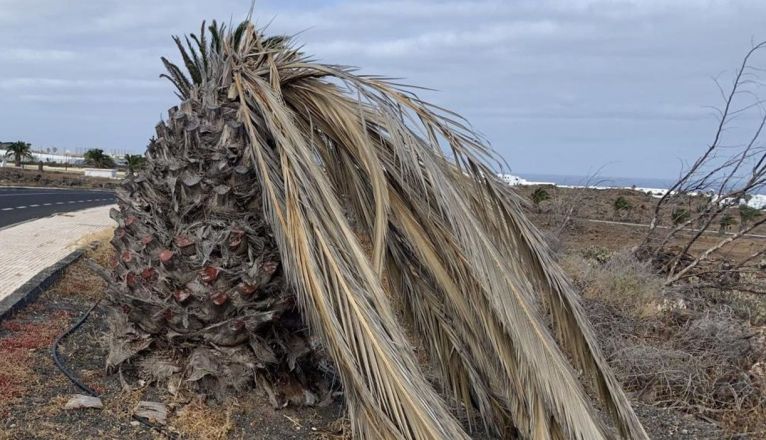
(618, 279)
(699, 359)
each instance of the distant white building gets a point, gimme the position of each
(510, 179)
(51, 157)
(101, 172)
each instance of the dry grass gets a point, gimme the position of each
(200, 421)
(617, 279)
(97, 247)
(337, 430)
(78, 280)
(19, 339)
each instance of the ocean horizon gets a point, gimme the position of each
(609, 181)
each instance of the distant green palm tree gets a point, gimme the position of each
(19, 151)
(134, 162)
(621, 206)
(747, 214)
(680, 216)
(727, 220)
(539, 196)
(97, 158)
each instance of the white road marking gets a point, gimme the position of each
(66, 202)
(26, 194)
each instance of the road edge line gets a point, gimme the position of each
(31, 290)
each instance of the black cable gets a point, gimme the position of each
(60, 365)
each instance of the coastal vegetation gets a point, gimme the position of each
(18, 151)
(97, 158)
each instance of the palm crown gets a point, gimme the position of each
(366, 209)
(18, 151)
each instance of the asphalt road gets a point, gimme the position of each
(22, 204)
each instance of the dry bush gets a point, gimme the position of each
(699, 365)
(750, 307)
(699, 359)
(617, 279)
(670, 347)
(730, 170)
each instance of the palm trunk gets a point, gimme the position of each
(198, 274)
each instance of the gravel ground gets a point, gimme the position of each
(34, 391)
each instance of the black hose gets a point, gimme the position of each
(60, 364)
(89, 391)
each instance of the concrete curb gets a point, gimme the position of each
(32, 289)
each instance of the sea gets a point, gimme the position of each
(602, 181)
(651, 185)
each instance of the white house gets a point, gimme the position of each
(101, 172)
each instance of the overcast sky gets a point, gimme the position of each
(558, 87)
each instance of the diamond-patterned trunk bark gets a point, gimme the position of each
(199, 294)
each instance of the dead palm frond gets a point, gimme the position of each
(342, 158)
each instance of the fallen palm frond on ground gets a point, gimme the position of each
(258, 193)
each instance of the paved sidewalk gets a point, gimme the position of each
(30, 247)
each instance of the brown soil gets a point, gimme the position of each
(591, 203)
(33, 177)
(34, 391)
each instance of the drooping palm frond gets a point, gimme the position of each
(367, 208)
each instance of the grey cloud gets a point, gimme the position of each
(557, 85)
(35, 55)
(57, 83)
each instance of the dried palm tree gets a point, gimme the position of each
(287, 205)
